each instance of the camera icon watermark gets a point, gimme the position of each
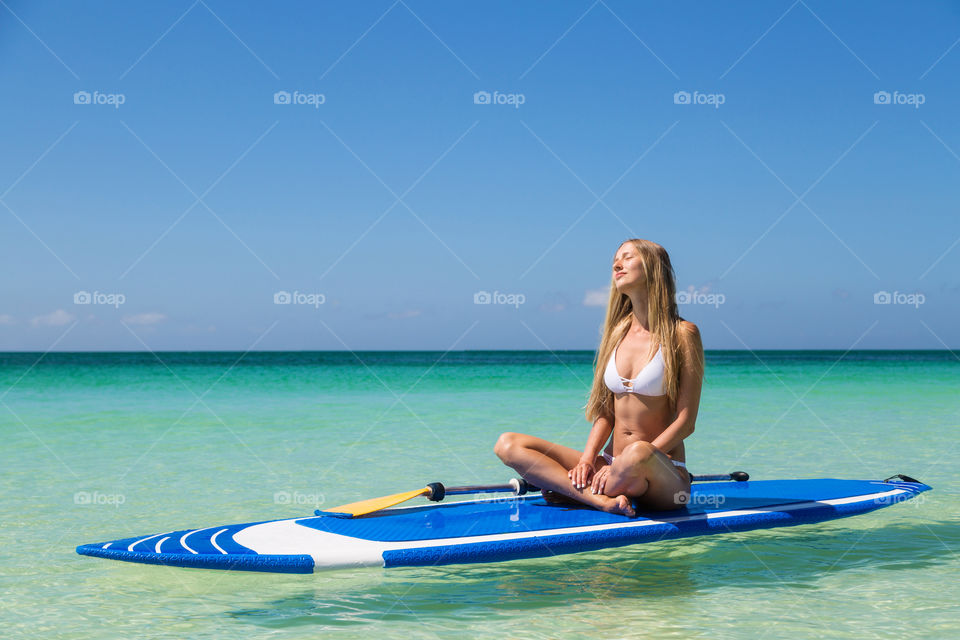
(885, 297)
(112, 299)
(700, 297)
(95, 97)
(912, 99)
(512, 99)
(97, 498)
(512, 299)
(296, 97)
(299, 297)
(696, 97)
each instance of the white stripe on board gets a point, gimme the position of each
(183, 540)
(213, 541)
(130, 548)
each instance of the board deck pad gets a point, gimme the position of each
(497, 529)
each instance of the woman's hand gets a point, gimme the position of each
(600, 480)
(580, 475)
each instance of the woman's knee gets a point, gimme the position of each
(626, 477)
(638, 452)
(505, 445)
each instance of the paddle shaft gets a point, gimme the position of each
(520, 486)
(517, 486)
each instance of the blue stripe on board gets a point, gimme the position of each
(238, 562)
(548, 545)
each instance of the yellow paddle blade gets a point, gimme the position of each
(375, 504)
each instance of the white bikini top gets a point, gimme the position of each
(649, 382)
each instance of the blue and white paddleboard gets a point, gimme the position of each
(496, 529)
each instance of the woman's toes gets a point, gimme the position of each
(621, 504)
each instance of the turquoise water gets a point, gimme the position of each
(104, 446)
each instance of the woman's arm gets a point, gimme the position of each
(599, 434)
(688, 396)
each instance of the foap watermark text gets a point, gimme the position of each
(298, 498)
(95, 97)
(696, 97)
(912, 299)
(511, 99)
(701, 297)
(98, 498)
(700, 499)
(298, 97)
(97, 297)
(497, 297)
(299, 297)
(911, 99)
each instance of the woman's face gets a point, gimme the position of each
(627, 268)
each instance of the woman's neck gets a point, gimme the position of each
(639, 322)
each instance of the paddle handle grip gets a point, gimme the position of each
(738, 476)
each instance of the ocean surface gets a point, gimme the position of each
(98, 446)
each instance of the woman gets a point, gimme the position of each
(649, 414)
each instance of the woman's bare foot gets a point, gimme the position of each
(618, 504)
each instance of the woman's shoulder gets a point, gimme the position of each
(689, 334)
(688, 329)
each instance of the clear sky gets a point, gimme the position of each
(169, 170)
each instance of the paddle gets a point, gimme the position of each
(436, 492)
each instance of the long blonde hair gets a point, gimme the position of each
(664, 320)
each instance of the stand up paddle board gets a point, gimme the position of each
(497, 529)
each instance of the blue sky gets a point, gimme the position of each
(383, 197)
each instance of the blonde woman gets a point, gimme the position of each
(648, 373)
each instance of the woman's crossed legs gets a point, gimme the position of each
(641, 472)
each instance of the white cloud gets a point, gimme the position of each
(7, 319)
(596, 297)
(145, 318)
(56, 319)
